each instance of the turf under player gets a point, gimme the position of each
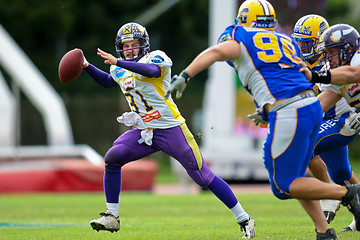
(144, 77)
(266, 65)
(331, 149)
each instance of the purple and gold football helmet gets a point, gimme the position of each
(129, 32)
(342, 36)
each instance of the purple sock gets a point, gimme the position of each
(112, 183)
(223, 192)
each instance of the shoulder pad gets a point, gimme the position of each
(355, 60)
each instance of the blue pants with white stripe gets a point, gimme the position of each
(332, 147)
(288, 148)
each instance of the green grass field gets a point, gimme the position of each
(149, 216)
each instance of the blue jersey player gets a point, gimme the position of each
(307, 32)
(144, 76)
(265, 63)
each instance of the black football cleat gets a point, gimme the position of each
(328, 235)
(352, 201)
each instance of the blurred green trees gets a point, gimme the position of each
(46, 30)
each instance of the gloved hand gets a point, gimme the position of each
(178, 83)
(355, 122)
(258, 117)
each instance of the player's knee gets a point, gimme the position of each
(115, 156)
(199, 180)
(203, 178)
(202, 183)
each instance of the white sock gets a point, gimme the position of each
(239, 213)
(353, 225)
(113, 208)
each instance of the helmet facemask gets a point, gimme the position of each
(119, 49)
(311, 45)
(344, 53)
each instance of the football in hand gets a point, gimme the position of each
(71, 65)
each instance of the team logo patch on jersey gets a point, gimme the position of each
(119, 72)
(224, 38)
(157, 59)
(151, 116)
(129, 84)
(353, 89)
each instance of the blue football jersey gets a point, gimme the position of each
(267, 67)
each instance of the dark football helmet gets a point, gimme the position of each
(129, 32)
(342, 36)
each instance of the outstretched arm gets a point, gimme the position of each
(145, 69)
(225, 51)
(345, 75)
(101, 77)
(339, 76)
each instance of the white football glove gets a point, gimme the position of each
(178, 83)
(355, 122)
(257, 117)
